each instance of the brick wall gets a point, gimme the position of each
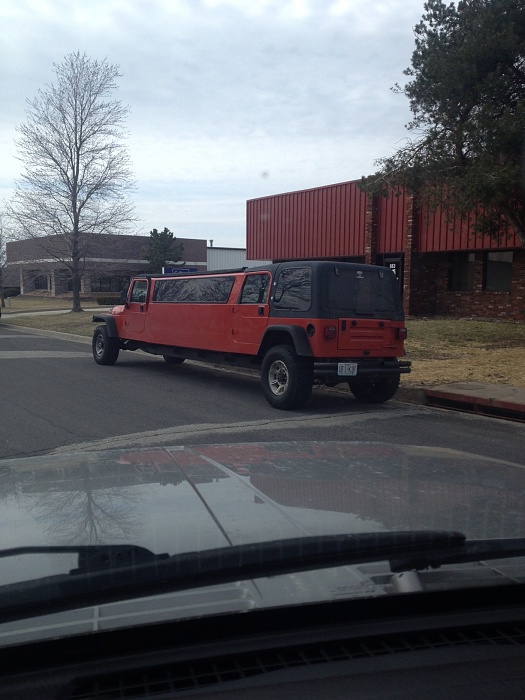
(429, 294)
(410, 238)
(424, 280)
(370, 231)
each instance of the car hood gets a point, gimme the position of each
(184, 499)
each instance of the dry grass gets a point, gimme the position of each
(29, 303)
(78, 323)
(441, 350)
(444, 351)
(68, 322)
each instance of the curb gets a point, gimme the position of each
(493, 400)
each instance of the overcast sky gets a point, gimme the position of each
(229, 99)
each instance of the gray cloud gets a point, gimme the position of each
(230, 99)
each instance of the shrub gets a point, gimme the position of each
(11, 292)
(109, 300)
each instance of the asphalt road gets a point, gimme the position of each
(54, 397)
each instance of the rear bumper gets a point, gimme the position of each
(364, 368)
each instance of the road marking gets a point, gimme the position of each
(175, 435)
(46, 354)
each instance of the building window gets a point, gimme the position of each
(42, 283)
(461, 272)
(109, 284)
(497, 271)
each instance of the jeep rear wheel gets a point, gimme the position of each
(374, 389)
(286, 378)
(105, 349)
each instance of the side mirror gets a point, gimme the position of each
(123, 296)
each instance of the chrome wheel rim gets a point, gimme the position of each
(99, 345)
(278, 377)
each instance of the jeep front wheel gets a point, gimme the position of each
(105, 349)
(374, 389)
(286, 378)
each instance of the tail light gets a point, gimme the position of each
(402, 333)
(330, 332)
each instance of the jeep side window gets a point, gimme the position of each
(294, 289)
(195, 290)
(138, 293)
(255, 290)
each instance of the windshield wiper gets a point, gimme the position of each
(472, 550)
(104, 578)
(93, 557)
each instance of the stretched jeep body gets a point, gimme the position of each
(298, 322)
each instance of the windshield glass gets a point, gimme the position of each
(230, 496)
(261, 282)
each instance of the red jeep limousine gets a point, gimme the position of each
(297, 322)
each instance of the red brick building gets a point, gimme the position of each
(444, 267)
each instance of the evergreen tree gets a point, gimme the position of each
(163, 248)
(467, 95)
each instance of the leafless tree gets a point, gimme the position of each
(76, 177)
(88, 515)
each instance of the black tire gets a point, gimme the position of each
(374, 389)
(171, 360)
(286, 378)
(105, 349)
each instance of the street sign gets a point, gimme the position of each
(177, 270)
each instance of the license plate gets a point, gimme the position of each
(347, 369)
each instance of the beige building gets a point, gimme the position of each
(34, 264)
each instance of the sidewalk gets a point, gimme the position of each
(50, 312)
(494, 400)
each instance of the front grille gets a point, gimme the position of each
(192, 675)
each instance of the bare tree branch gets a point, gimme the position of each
(77, 176)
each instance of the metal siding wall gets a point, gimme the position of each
(391, 229)
(323, 222)
(225, 258)
(331, 222)
(438, 233)
(228, 258)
